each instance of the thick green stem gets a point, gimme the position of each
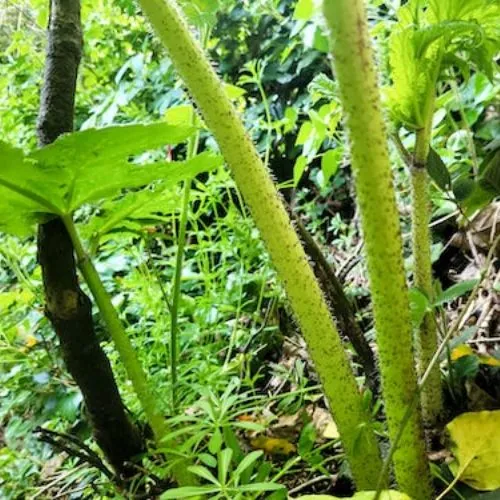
(115, 328)
(427, 340)
(277, 231)
(356, 74)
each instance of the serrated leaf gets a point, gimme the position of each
(438, 171)
(476, 447)
(426, 39)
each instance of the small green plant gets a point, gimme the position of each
(228, 484)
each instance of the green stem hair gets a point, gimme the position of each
(355, 72)
(427, 341)
(282, 242)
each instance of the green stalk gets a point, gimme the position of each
(282, 242)
(115, 328)
(134, 370)
(356, 74)
(427, 341)
(174, 313)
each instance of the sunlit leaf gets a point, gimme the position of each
(361, 495)
(476, 447)
(273, 446)
(96, 163)
(455, 291)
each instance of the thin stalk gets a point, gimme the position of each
(122, 343)
(269, 121)
(357, 77)
(271, 218)
(427, 341)
(179, 260)
(174, 315)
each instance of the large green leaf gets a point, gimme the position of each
(426, 38)
(85, 167)
(26, 193)
(97, 161)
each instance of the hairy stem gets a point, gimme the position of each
(356, 74)
(427, 340)
(282, 242)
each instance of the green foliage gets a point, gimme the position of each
(427, 37)
(227, 282)
(84, 167)
(228, 484)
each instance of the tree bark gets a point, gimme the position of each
(67, 307)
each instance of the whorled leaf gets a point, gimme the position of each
(362, 495)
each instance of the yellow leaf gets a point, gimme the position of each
(466, 350)
(488, 360)
(273, 446)
(461, 351)
(476, 447)
(362, 495)
(331, 431)
(30, 341)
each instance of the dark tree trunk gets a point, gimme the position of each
(67, 307)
